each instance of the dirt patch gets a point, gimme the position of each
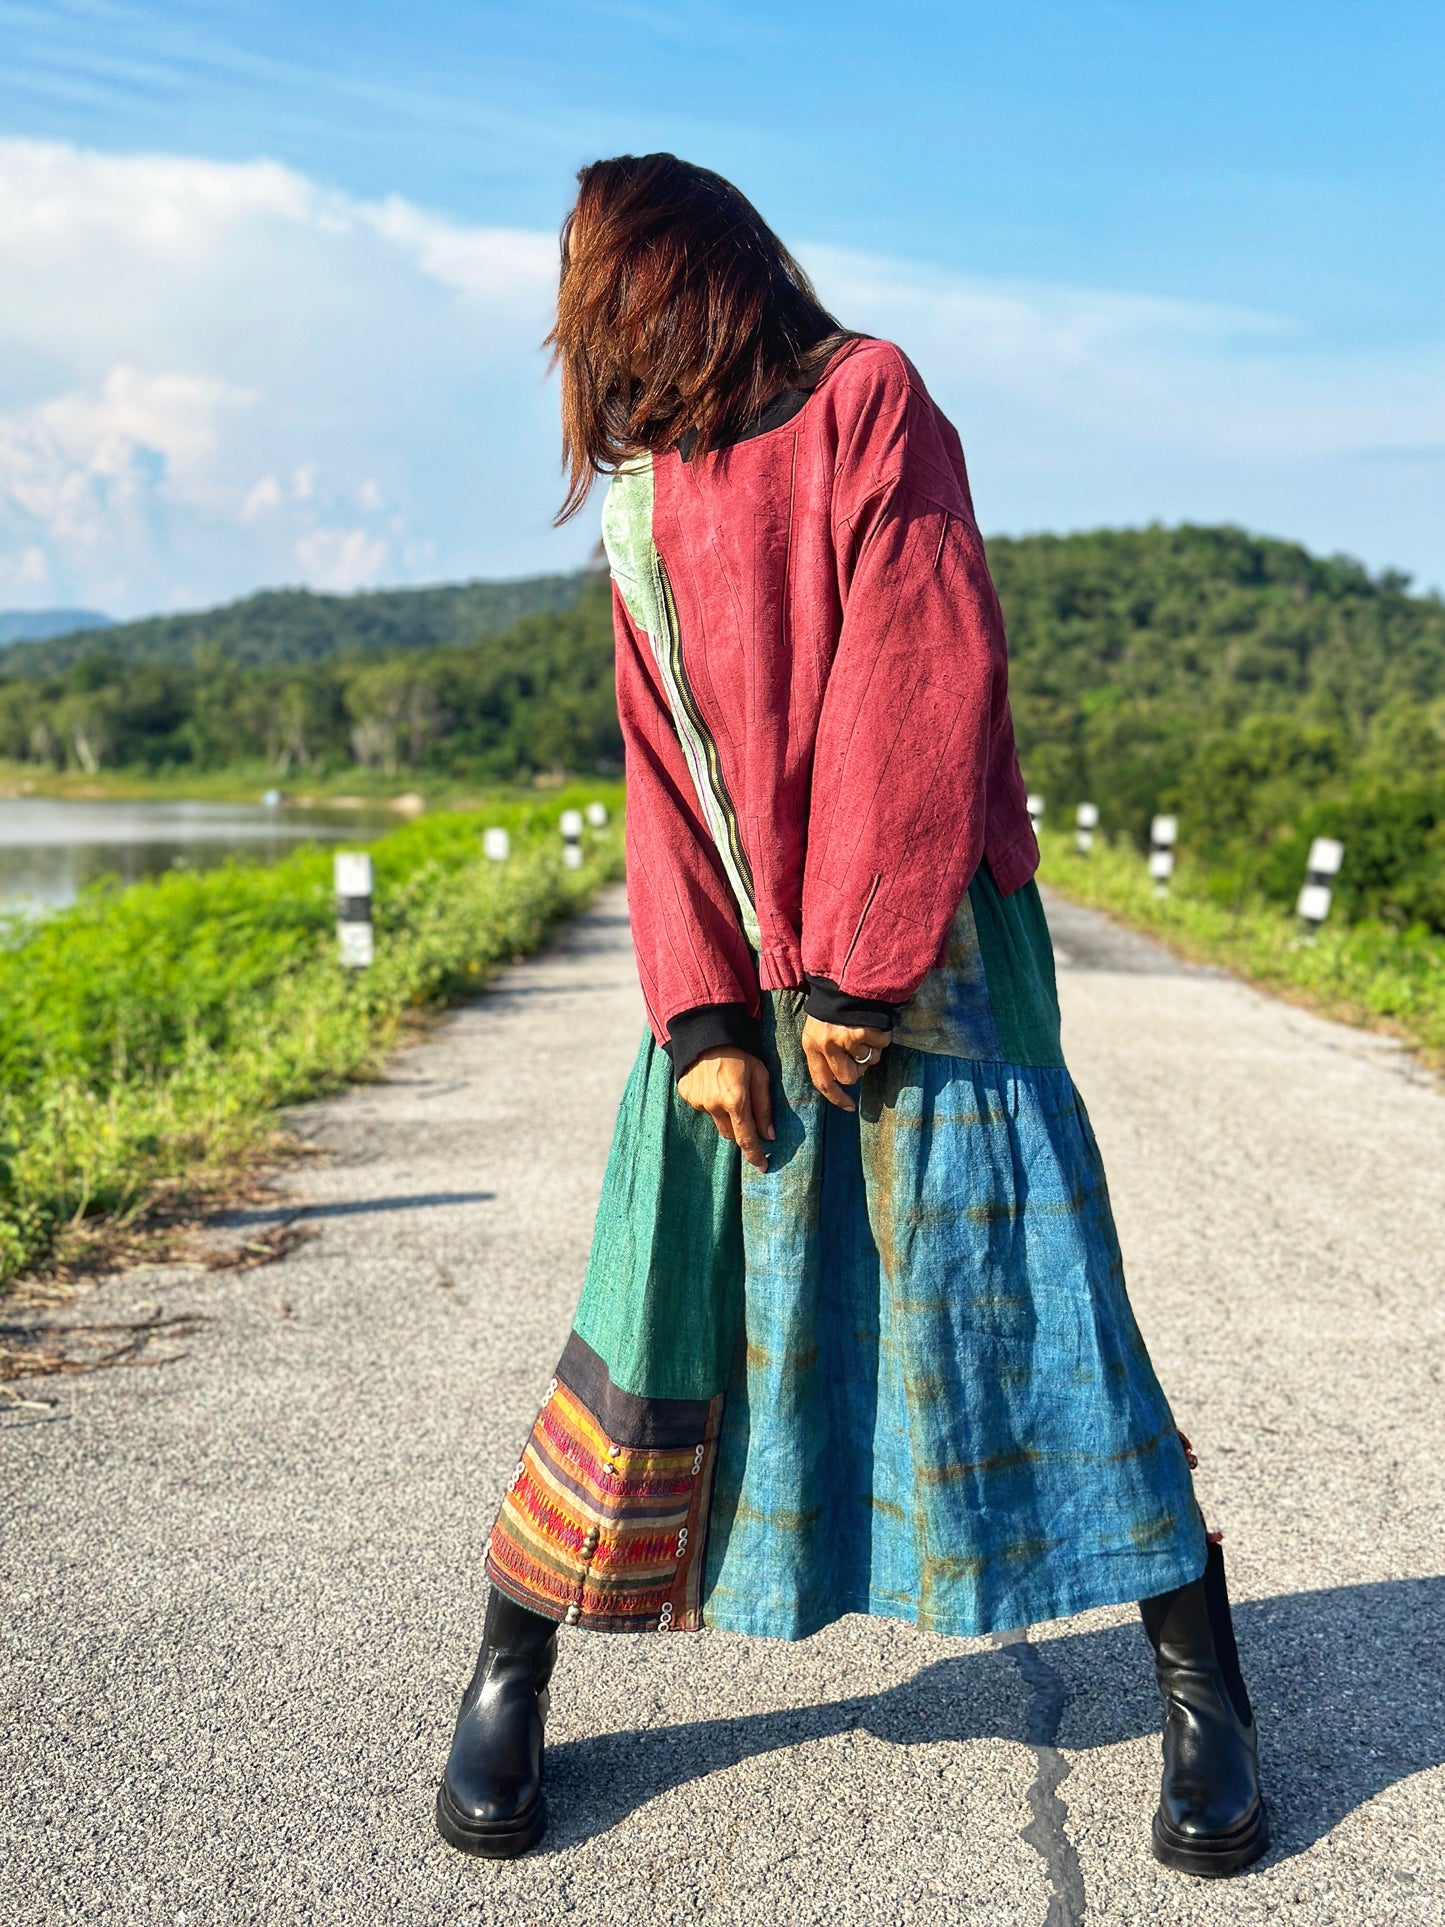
(44, 1347)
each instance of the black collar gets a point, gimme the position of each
(782, 408)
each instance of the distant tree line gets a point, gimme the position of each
(40, 625)
(1264, 694)
(298, 625)
(537, 697)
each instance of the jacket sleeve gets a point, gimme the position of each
(914, 709)
(694, 962)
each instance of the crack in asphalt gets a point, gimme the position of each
(1045, 1832)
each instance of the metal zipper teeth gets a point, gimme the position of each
(704, 736)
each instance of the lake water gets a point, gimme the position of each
(50, 849)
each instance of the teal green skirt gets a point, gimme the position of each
(897, 1373)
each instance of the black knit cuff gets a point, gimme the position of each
(830, 1005)
(710, 1027)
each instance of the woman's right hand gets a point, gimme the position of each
(732, 1086)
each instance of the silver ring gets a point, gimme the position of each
(866, 1058)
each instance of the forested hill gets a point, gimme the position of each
(1263, 694)
(1127, 647)
(297, 626)
(27, 625)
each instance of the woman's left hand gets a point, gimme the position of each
(838, 1054)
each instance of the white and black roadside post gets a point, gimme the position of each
(572, 839)
(496, 845)
(1086, 821)
(355, 937)
(1322, 866)
(596, 814)
(1036, 810)
(1163, 835)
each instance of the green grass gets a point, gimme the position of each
(243, 782)
(1366, 973)
(149, 1035)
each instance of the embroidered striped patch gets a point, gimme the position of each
(602, 1532)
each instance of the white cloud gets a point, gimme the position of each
(214, 376)
(343, 559)
(176, 417)
(1183, 375)
(156, 207)
(1080, 408)
(89, 469)
(26, 570)
(1104, 362)
(261, 499)
(486, 263)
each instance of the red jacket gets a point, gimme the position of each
(839, 650)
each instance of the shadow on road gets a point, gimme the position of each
(513, 992)
(1346, 1682)
(352, 1207)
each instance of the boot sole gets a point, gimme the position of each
(1228, 1854)
(497, 1840)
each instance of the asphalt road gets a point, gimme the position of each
(241, 1591)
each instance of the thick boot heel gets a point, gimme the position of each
(1214, 1858)
(501, 1840)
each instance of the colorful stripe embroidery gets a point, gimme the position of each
(604, 1534)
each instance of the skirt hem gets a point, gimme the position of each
(1064, 1602)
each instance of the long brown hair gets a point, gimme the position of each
(680, 313)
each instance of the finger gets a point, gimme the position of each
(834, 1092)
(825, 1083)
(745, 1134)
(722, 1117)
(866, 1038)
(761, 1092)
(841, 1061)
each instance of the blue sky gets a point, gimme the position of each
(281, 270)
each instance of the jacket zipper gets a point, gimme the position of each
(704, 736)
(858, 927)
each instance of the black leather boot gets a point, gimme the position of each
(490, 1799)
(1211, 1818)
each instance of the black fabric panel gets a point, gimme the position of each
(711, 1027)
(663, 1424)
(830, 1005)
(782, 408)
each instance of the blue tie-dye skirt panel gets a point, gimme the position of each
(943, 1410)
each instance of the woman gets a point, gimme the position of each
(854, 1334)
